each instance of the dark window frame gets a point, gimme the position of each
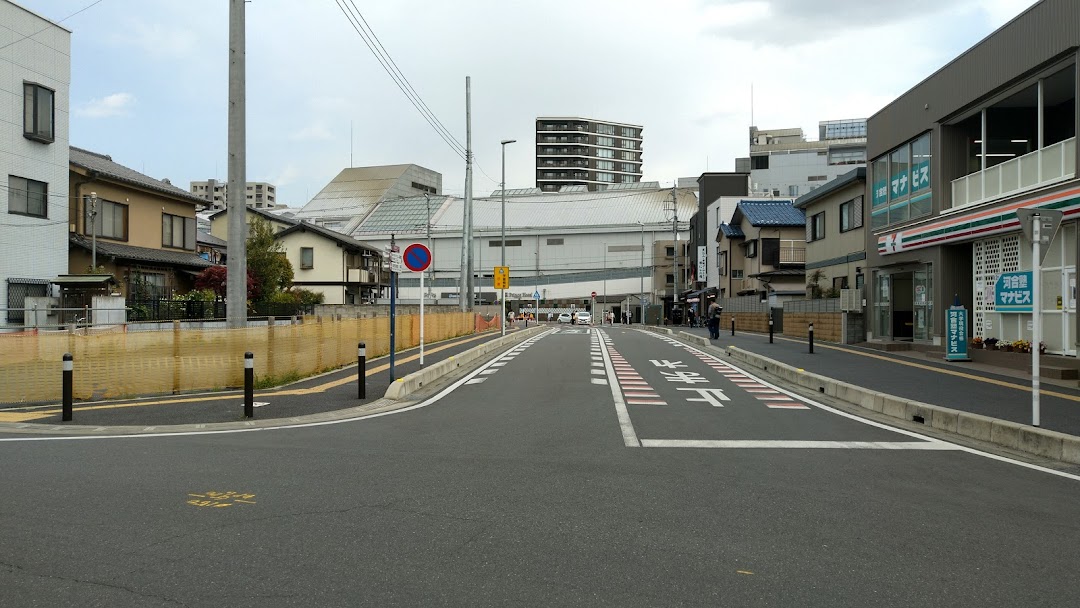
(307, 258)
(817, 226)
(33, 130)
(25, 211)
(98, 224)
(188, 227)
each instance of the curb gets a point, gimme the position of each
(1013, 435)
(409, 384)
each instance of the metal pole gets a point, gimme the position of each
(393, 308)
(430, 245)
(604, 311)
(770, 330)
(502, 235)
(675, 235)
(361, 369)
(421, 319)
(235, 202)
(733, 325)
(68, 387)
(641, 288)
(811, 338)
(93, 232)
(1036, 316)
(249, 385)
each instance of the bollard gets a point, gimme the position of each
(811, 338)
(733, 325)
(770, 330)
(68, 387)
(249, 385)
(361, 378)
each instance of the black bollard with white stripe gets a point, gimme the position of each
(811, 338)
(361, 367)
(69, 366)
(249, 385)
(770, 330)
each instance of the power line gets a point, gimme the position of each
(399, 81)
(52, 24)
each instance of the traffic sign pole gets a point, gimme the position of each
(1036, 317)
(417, 258)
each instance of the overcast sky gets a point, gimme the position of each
(149, 78)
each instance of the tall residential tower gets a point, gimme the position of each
(596, 154)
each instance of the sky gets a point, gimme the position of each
(149, 78)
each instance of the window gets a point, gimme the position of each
(901, 179)
(751, 249)
(721, 263)
(630, 156)
(629, 144)
(605, 141)
(509, 243)
(554, 241)
(605, 177)
(27, 197)
(608, 165)
(736, 274)
(605, 129)
(793, 191)
(851, 214)
(111, 221)
(817, 178)
(177, 231)
(669, 279)
(847, 156)
(669, 252)
(307, 258)
(38, 113)
(629, 168)
(816, 227)
(605, 153)
(628, 132)
(839, 283)
(759, 162)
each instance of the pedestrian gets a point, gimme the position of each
(714, 320)
(510, 317)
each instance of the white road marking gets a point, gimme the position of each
(598, 364)
(489, 371)
(598, 372)
(645, 402)
(630, 438)
(784, 444)
(499, 364)
(476, 381)
(598, 380)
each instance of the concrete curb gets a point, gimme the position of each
(407, 385)
(1012, 435)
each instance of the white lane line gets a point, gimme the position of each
(476, 381)
(598, 364)
(803, 445)
(598, 372)
(598, 380)
(499, 364)
(597, 358)
(489, 371)
(630, 438)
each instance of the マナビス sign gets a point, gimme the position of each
(1013, 292)
(956, 343)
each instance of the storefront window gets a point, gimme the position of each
(880, 209)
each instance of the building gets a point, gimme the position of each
(836, 232)
(140, 230)
(574, 151)
(562, 246)
(762, 251)
(711, 188)
(783, 163)
(35, 73)
(341, 268)
(344, 202)
(259, 195)
(952, 160)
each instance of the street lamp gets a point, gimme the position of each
(641, 293)
(502, 236)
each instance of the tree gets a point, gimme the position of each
(215, 278)
(814, 286)
(266, 261)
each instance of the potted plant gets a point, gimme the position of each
(991, 343)
(977, 342)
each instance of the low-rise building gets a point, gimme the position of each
(835, 232)
(762, 251)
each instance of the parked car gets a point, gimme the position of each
(584, 318)
(564, 317)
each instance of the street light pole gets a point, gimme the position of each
(431, 245)
(502, 235)
(641, 292)
(604, 310)
(675, 234)
(93, 232)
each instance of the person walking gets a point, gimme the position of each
(713, 320)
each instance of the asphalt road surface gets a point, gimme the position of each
(583, 467)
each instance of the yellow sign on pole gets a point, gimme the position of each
(502, 277)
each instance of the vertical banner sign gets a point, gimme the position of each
(1012, 292)
(702, 265)
(956, 319)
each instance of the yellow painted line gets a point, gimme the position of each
(1019, 387)
(300, 391)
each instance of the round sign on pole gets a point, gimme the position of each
(594, 295)
(417, 257)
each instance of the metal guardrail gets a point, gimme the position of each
(1054, 163)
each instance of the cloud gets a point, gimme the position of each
(313, 132)
(158, 40)
(116, 104)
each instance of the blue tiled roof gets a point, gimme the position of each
(772, 213)
(732, 232)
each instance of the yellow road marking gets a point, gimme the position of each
(299, 391)
(1019, 387)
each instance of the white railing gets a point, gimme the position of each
(1051, 164)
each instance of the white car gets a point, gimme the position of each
(564, 317)
(584, 318)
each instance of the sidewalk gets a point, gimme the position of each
(970, 387)
(323, 393)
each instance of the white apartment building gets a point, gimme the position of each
(35, 74)
(783, 163)
(260, 195)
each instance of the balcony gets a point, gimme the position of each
(1043, 167)
(564, 163)
(551, 139)
(792, 252)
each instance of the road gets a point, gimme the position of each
(602, 467)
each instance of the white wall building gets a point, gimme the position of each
(260, 195)
(35, 74)
(783, 163)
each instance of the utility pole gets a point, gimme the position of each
(502, 235)
(468, 192)
(675, 235)
(93, 232)
(430, 245)
(236, 284)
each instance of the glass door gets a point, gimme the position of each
(924, 303)
(1068, 311)
(882, 305)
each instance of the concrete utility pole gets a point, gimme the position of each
(430, 245)
(236, 285)
(466, 289)
(502, 235)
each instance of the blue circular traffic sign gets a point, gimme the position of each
(417, 257)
